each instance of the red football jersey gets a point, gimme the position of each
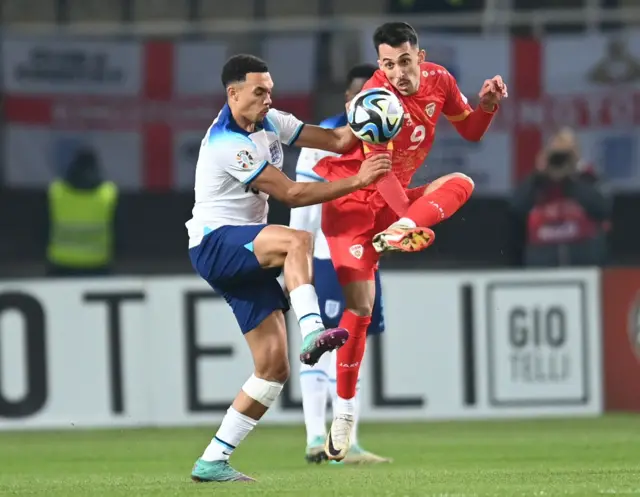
(438, 94)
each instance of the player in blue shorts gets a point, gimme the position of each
(240, 256)
(318, 382)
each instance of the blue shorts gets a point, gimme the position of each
(226, 261)
(331, 298)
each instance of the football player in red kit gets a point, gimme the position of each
(387, 216)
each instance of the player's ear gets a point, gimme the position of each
(422, 56)
(231, 92)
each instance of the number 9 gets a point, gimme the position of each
(417, 137)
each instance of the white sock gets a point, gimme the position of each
(304, 302)
(406, 222)
(314, 385)
(233, 429)
(353, 404)
(356, 415)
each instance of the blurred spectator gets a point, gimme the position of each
(564, 213)
(82, 210)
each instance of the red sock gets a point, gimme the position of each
(440, 204)
(351, 353)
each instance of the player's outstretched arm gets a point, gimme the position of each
(274, 182)
(338, 140)
(470, 123)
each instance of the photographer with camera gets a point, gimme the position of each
(563, 213)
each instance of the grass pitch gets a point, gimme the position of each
(585, 457)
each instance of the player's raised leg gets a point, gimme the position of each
(441, 199)
(225, 258)
(280, 246)
(268, 345)
(242, 263)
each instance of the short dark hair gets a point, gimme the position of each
(395, 34)
(235, 70)
(364, 71)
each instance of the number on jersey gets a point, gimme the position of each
(417, 137)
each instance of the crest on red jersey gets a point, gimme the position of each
(356, 251)
(430, 109)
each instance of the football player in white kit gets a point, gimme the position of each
(318, 382)
(240, 256)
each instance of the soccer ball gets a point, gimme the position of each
(375, 115)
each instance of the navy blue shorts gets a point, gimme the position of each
(331, 298)
(226, 261)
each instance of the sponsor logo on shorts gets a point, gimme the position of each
(356, 251)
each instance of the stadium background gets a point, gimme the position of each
(137, 81)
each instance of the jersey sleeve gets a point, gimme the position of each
(308, 159)
(238, 157)
(287, 126)
(456, 106)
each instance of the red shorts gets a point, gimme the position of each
(349, 224)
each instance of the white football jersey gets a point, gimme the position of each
(229, 159)
(309, 218)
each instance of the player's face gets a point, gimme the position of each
(253, 96)
(401, 65)
(354, 88)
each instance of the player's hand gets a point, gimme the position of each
(492, 92)
(373, 168)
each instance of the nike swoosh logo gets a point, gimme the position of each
(226, 453)
(332, 449)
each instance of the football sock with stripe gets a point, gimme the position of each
(233, 430)
(304, 302)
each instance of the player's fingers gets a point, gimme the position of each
(501, 87)
(382, 159)
(380, 156)
(382, 162)
(486, 88)
(382, 170)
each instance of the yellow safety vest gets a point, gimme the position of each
(82, 225)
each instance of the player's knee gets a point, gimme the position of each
(277, 371)
(262, 390)
(359, 294)
(470, 184)
(362, 310)
(275, 367)
(360, 305)
(301, 241)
